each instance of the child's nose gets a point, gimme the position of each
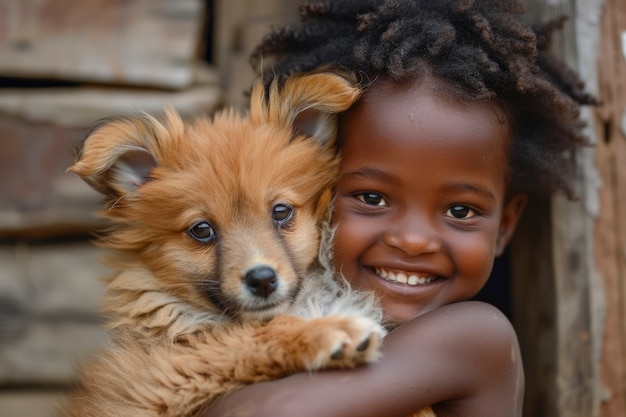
(413, 237)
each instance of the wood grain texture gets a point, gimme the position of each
(138, 42)
(48, 310)
(610, 225)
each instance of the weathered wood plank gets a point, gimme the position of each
(40, 130)
(138, 42)
(579, 321)
(37, 198)
(240, 26)
(80, 107)
(30, 403)
(48, 310)
(571, 305)
(610, 233)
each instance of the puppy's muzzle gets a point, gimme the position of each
(261, 281)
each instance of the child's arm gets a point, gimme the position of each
(463, 358)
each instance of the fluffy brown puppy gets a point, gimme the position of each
(220, 252)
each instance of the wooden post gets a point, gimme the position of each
(581, 370)
(610, 226)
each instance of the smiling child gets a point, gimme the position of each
(463, 115)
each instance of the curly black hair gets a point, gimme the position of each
(482, 47)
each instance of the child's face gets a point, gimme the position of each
(421, 207)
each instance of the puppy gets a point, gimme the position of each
(221, 253)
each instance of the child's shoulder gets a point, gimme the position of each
(465, 316)
(474, 335)
(476, 352)
(477, 312)
(470, 328)
(467, 353)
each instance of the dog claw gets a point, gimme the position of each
(338, 354)
(346, 341)
(364, 345)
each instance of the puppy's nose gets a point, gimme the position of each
(262, 281)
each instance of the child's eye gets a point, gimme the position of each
(372, 199)
(460, 211)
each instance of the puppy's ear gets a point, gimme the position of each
(118, 154)
(307, 103)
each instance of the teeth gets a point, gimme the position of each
(402, 277)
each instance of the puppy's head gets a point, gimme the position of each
(224, 214)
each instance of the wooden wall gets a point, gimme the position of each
(569, 257)
(63, 65)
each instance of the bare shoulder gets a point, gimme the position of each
(481, 336)
(477, 354)
(473, 317)
(473, 321)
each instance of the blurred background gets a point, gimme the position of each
(66, 63)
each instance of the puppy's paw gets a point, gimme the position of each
(344, 341)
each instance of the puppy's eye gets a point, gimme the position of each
(202, 232)
(282, 214)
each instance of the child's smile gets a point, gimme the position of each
(403, 277)
(421, 209)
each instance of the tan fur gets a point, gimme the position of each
(186, 326)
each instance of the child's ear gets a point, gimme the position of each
(511, 214)
(306, 103)
(118, 155)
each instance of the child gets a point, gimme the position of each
(461, 118)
